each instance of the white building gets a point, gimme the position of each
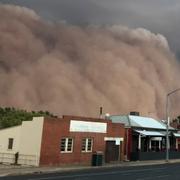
(24, 139)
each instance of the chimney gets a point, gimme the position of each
(134, 113)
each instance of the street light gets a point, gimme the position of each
(167, 123)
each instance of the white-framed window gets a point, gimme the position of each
(87, 144)
(66, 145)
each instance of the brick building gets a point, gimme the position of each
(74, 139)
(60, 141)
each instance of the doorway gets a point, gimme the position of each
(112, 151)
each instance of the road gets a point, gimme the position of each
(153, 172)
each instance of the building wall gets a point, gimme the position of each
(30, 141)
(129, 142)
(8, 155)
(26, 141)
(55, 129)
(38, 141)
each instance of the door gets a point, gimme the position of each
(112, 151)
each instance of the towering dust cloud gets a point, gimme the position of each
(74, 70)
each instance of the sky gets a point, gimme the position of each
(74, 56)
(158, 16)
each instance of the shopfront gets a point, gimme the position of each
(151, 145)
(146, 138)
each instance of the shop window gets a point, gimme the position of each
(10, 143)
(155, 145)
(87, 145)
(66, 145)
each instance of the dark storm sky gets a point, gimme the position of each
(159, 16)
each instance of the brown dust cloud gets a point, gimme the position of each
(74, 70)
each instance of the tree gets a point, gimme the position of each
(9, 116)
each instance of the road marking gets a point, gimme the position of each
(96, 174)
(154, 177)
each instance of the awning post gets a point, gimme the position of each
(139, 143)
(177, 143)
(149, 143)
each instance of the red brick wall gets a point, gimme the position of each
(55, 129)
(129, 142)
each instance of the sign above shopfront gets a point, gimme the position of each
(87, 126)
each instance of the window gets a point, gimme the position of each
(87, 145)
(10, 143)
(155, 145)
(66, 144)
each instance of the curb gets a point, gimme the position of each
(27, 170)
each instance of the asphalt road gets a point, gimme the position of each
(153, 172)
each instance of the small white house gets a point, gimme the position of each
(25, 140)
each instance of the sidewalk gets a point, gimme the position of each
(6, 170)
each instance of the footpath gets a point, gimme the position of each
(7, 170)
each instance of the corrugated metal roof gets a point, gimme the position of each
(150, 133)
(176, 135)
(138, 121)
(120, 119)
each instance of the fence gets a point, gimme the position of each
(7, 158)
(154, 155)
(31, 160)
(23, 159)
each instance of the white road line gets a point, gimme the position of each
(96, 174)
(154, 177)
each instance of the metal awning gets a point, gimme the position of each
(177, 135)
(150, 133)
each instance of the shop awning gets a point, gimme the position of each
(150, 133)
(177, 135)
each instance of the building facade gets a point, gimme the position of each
(22, 142)
(75, 139)
(62, 141)
(145, 138)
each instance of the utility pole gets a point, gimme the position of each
(168, 122)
